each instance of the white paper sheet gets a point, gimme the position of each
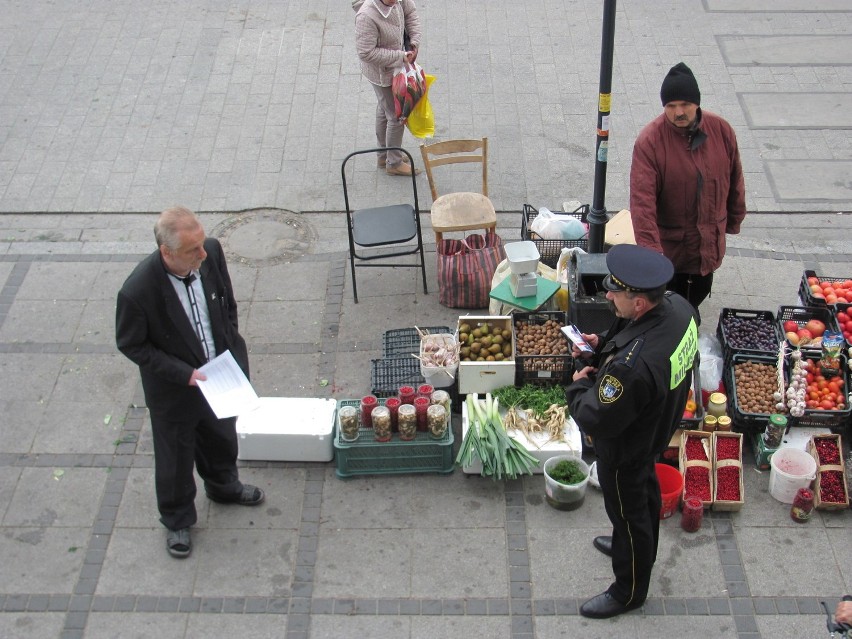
(227, 388)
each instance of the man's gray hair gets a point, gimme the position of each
(171, 222)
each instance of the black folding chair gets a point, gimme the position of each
(394, 224)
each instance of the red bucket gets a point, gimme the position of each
(671, 487)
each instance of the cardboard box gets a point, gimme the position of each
(484, 377)
(538, 446)
(288, 429)
(619, 229)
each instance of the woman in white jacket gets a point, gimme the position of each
(381, 27)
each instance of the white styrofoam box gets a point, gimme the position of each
(484, 377)
(288, 429)
(538, 447)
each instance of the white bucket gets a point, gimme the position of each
(792, 468)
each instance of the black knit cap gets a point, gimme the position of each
(680, 85)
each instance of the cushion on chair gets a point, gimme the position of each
(462, 212)
(384, 225)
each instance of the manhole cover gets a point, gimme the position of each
(264, 237)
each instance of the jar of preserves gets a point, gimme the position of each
(381, 423)
(803, 505)
(368, 403)
(393, 405)
(420, 405)
(692, 514)
(717, 405)
(775, 429)
(442, 397)
(407, 422)
(425, 390)
(348, 416)
(709, 423)
(723, 424)
(407, 394)
(436, 419)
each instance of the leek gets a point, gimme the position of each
(487, 439)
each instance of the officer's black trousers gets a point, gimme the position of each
(633, 502)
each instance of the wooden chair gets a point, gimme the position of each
(463, 211)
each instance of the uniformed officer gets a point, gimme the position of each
(629, 400)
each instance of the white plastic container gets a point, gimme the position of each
(565, 496)
(791, 469)
(288, 429)
(522, 256)
(439, 376)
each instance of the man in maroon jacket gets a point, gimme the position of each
(686, 186)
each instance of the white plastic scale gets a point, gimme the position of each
(523, 261)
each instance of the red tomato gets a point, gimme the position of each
(826, 404)
(810, 378)
(842, 317)
(833, 386)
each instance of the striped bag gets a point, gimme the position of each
(465, 269)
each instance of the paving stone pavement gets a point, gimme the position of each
(111, 111)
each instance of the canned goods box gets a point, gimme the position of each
(288, 429)
(537, 445)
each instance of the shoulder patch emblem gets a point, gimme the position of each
(610, 390)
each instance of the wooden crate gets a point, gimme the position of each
(725, 504)
(821, 468)
(687, 464)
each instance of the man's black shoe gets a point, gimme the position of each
(604, 544)
(604, 606)
(248, 496)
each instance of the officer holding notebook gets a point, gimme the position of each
(628, 397)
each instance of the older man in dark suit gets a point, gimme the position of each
(174, 313)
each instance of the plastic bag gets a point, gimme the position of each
(712, 363)
(408, 86)
(563, 294)
(421, 122)
(552, 226)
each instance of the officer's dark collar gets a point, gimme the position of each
(634, 329)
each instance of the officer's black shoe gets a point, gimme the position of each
(604, 606)
(604, 544)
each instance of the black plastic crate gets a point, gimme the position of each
(548, 369)
(387, 375)
(802, 315)
(807, 296)
(742, 420)
(405, 342)
(833, 419)
(549, 250)
(746, 344)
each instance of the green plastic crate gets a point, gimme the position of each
(366, 456)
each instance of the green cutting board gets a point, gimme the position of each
(545, 289)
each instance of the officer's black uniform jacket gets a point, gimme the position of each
(634, 403)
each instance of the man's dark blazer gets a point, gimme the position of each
(153, 330)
